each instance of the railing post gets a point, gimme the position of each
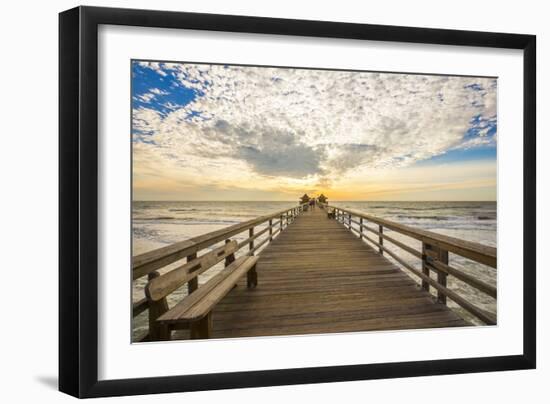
(442, 256)
(425, 269)
(157, 332)
(431, 253)
(360, 228)
(251, 234)
(349, 221)
(380, 239)
(231, 257)
(270, 230)
(281, 223)
(193, 283)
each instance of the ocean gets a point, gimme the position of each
(156, 224)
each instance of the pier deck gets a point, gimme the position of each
(319, 277)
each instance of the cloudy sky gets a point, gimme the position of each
(218, 132)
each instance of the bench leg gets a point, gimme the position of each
(252, 277)
(202, 329)
(157, 331)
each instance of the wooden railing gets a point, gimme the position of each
(434, 256)
(148, 264)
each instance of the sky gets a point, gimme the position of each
(224, 132)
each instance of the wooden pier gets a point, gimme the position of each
(317, 271)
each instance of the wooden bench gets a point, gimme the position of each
(195, 309)
(331, 214)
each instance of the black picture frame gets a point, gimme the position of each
(78, 200)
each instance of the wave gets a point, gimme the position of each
(465, 219)
(185, 220)
(155, 218)
(424, 217)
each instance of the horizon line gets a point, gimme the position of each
(334, 200)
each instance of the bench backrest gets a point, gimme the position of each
(159, 288)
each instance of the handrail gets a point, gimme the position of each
(474, 251)
(148, 263)
(434, 256)
(152, 260)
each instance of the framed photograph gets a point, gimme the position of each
(251, 201)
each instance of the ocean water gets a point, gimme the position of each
(156, 224)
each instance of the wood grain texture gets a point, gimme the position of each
(318, 277)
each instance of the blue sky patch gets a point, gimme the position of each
(155, 91)
(462, 155)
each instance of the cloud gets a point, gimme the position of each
(282, 155)
(157, 91)
(309, 125)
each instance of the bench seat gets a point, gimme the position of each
(196, 308)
